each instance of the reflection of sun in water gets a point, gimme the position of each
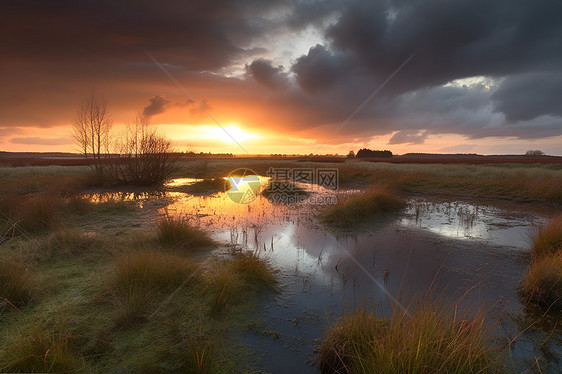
(243, 185)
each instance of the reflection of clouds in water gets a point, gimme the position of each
(461, 220)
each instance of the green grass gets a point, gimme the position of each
(543, 282)
(434, 340)
(179, 232)
(17, 284)
(362, 207)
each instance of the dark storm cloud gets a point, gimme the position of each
(265, 73)
(517, 40)
(527, 96)
(318, 70)
(157, 105)
(454, 39)
(196, 34)
(52, 51)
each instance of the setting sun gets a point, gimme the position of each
(228, 132)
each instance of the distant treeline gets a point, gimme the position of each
(369, 153)
(208, 155)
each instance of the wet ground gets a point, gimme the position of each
(463, 250)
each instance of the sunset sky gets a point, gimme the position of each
(485, 76)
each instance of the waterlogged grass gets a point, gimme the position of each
(179, 232)
(543, 281)
(435, 339)
(206, 186)
(254, 269)
(231, 281)
(284, 192)
(362, 207)
(548, 239)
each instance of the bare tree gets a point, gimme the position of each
(91, 128)
(145, 156)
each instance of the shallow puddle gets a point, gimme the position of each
(459, 249)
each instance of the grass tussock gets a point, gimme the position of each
(362, 207)
(206, 186)
(254, 269)
(70, 242)
(17, 284)
(39, 214)
(284, 192)
(433, 340)
(141, 279)
(543, 281)
(178, 232)
(39, 351)
(36, 204)
(231, 281)
(548, 239)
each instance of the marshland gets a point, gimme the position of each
(402, 268)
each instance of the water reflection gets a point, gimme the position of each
(111, 196)
(466, 221)
(450, 246)
(244, 189)
(181, 182)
